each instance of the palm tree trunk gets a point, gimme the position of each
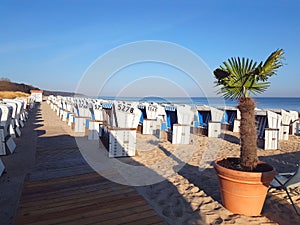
(248, 134)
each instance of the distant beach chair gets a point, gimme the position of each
(150, 122)
(141, 107)
(96, 122)
(268, 128)
(81, 117)
(171, 119)
(294, 122)
(19, 109)
(179, 119)
(210, 119)
(6, 141)
(285, 125)
(204, 115)
(285, 181)
(231, 118)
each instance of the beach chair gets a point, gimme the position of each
(285, 181)
(210, 120)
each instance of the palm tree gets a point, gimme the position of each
(238, 79)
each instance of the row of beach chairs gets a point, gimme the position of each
(13, 115)
(116, 123)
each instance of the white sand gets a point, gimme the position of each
(191, 195)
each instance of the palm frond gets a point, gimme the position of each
(273, 62)
(239, 76)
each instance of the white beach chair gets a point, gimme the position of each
(285, 181)
(19, 109)
(231, 118)
(122, 135)
(294, 121)
(150, 122)
(210, 119)
(6, 141)
(181, 131)
(285, 125)
(97, 120)
(14, 128)
(268, 128)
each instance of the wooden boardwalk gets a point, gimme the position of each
(63, 189)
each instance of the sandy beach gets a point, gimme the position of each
(189, 191)
(191, 196)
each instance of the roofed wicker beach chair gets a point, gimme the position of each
(286, 181)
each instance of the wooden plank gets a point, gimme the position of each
(76, 212)
(63, 195)
(62, 206)
(127, 218)
(75, 189)
(74, 200)
(63, 189)
(85, 176)
(44, 185)
(92, 214)
(152, 220)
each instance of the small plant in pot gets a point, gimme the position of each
(244, 181)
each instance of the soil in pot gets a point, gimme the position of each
(234, 164)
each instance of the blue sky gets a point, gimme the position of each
(52, 43)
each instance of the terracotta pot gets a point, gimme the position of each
(244, 192)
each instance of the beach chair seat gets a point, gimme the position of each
(286, 181)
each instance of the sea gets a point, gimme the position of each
(261, 102)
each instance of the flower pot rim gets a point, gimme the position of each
(246, 173)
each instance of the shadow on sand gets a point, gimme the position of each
(276, 207)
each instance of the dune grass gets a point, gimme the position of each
(12, 94)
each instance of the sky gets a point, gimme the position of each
(55, 44)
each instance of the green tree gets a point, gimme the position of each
(238, 78)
